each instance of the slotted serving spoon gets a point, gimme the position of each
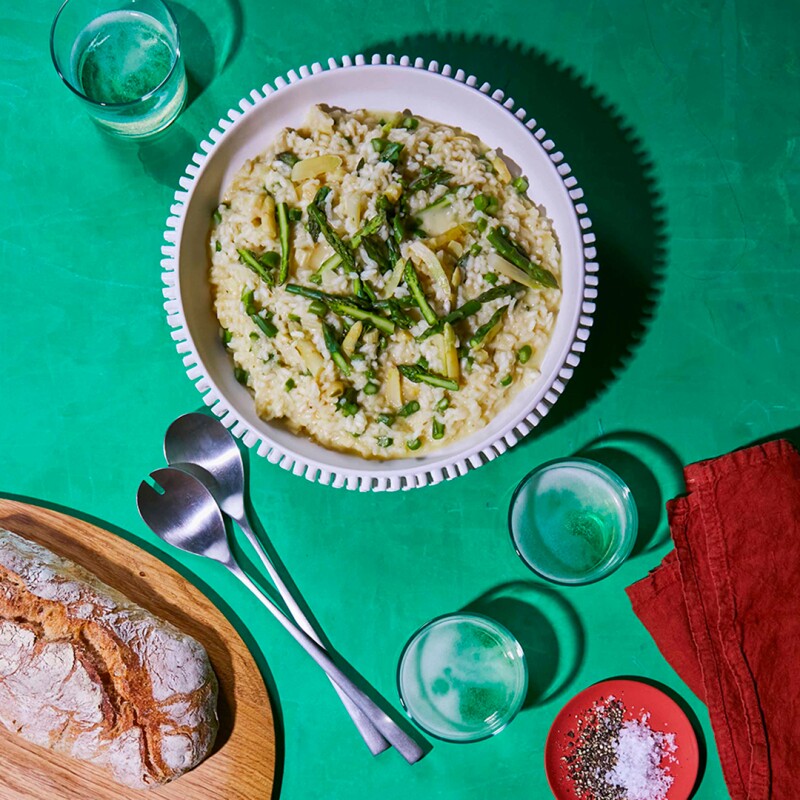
(186, 516)
(197, 439)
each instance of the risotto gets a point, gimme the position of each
(383, 283)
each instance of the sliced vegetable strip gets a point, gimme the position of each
(417, 374)
(332, 343)
(345, 306)
(511, 251)
(283, 226)
(412, 281)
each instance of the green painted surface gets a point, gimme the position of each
(680, 118)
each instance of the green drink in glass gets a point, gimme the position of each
(573, 521)
(122, 58)
(462, 677)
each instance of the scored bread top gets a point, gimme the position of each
(87, 673)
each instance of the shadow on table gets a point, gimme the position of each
(547, 628)
(211, 34)
(616, 173)
(652, 471)
(218, 601)
(692, 717)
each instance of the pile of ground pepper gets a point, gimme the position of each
(610, 758)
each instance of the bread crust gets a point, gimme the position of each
(87, 673)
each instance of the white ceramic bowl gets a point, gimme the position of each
(442, 94)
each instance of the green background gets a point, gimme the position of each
(680, 119)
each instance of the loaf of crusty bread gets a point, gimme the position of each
(87, 673)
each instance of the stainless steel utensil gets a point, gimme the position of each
(186, 516)
(204, 441)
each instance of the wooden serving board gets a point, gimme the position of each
(242, 765)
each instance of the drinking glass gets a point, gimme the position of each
(122, 58)
(462, 677)
(573, 521)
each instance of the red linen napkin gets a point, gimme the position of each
(724, 609)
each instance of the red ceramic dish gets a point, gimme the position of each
(665, 716)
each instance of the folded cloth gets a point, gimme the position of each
(724, 609)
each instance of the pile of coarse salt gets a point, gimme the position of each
(639, 752)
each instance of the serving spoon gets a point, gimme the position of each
(185, 515)
(197, 439)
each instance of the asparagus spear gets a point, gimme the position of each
(483, 331)
(319, 202)
(428, 179)
(511, 251)
(412, 280)
(283, 226)
(339, 247)
(371, 226)
(417, 374)
(332, 343)
(352, 307)
(249, 259)
(471, 307)
(266, 326)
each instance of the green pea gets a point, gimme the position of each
(386, 419)
(371, 388)
(482, 224)
(507, 380)
(524, 354)
(413, 444)
(481, 202)
(385, 441)
(443, 404)
(520, 184)
(490, 277)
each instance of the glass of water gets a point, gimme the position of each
(573, 521)
(122, 59)
(462, 677)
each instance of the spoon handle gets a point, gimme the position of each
(406, 746)
(373, 738)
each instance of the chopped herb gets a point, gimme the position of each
(490, 277)
(417, 374)
(438, 429)
(241, 375)
(318, 307)
(218, 246)
(411, 407)
(413, 444)
(385, 441)
(520, 184)
(288, 158)
(371, 388)
(443, 404)
(386, 419)
(289, 385)
(524, 354)
(507, 380)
